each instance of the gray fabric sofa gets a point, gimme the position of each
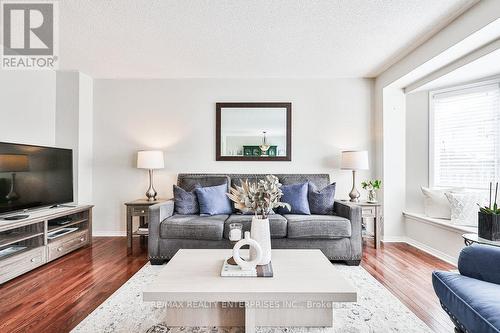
(337, 235)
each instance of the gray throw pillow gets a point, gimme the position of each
(185, 203)
(321, 201)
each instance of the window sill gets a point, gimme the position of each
(441, 223)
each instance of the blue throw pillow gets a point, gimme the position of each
(213, 200)
(321, 202)
(296, 196)
(185, 203)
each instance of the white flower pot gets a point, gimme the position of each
(260, 232)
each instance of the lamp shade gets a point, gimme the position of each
(150, 159)
(14, 163)
(354, 160)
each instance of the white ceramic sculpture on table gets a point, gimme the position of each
(254, 246)
(260, 232)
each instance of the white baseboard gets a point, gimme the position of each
(395, 239)
(432, 251)
(109, 233)
(423, 247)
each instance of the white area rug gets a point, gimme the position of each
(377, 310)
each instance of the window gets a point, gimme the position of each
(464, 145)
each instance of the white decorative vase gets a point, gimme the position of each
(260, 232)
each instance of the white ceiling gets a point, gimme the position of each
(242, 38)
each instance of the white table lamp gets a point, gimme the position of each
(150, 159)
(354, 160)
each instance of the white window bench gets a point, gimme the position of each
(436, 236)
(441, 223)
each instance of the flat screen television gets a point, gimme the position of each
(34, 176)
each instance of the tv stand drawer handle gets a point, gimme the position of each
(35, 259)
(60, 248)
(82, 239)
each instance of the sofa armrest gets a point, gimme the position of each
(157, 213)
(480, 262)
(352, 212)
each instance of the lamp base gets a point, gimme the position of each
(354, 194)
(151, 195)
(151, 192)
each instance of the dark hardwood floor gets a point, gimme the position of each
(406, 272)
(57, 296)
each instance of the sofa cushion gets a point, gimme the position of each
(186, 202)
(277, 224)
(189, 181)
(480, 262)
(474, 303)
(213, 200)
(320, 180)
(296, 196)
(317, 226)
(236, 180)
(193, 227)
(321, 201)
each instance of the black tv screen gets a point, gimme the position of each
(34, 176)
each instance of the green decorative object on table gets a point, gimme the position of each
(256, 151)
(372, 186)
(489, 219)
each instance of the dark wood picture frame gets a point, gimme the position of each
(218, 125)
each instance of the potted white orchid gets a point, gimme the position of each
(259, 198)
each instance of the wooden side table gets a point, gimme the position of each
(372, 211)
(139, 208)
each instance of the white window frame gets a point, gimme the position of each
(495, 80)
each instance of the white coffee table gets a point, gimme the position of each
(302, 292)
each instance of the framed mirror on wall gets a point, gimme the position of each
(253, 131)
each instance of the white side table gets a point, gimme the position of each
(372, 211)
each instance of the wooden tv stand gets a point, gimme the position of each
(32, 243)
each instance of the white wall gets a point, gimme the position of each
(442, 241)
(67, 118)
(51, 109)
(417, 149)
(74, 126)
(420, 62)
(178, 116)
(85, 139)
(27, 104)
(394, 172)
(439, 51)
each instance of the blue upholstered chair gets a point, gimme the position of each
(472, 298)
